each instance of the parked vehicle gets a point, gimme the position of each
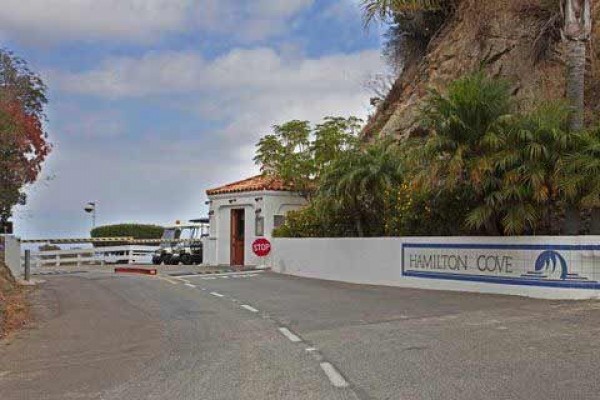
(182, 244)
(168, 241)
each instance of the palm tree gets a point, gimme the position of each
(358, 182)
(581, 177)
(458, 121)
(522, 188)
(576, 33)
(383, 9)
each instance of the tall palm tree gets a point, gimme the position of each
(576, 33)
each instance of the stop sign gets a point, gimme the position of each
(261, 247)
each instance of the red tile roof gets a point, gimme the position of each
(253, 184)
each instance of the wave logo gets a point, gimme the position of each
(551, 265)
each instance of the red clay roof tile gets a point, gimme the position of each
(255, 183)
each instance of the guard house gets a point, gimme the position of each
(243, 211)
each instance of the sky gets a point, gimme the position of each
(151, 102)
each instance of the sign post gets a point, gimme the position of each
(261, 248)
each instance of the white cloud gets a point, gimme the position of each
(245, 88)
(143, 20)
(145, 177)
(241, 71)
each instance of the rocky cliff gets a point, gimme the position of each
(513, 39)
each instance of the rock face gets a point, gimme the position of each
(498, 36)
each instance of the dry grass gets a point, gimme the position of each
(14, 309)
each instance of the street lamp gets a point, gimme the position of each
(90, 208)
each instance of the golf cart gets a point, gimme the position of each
(181, 244)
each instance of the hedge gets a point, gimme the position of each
(136, 231)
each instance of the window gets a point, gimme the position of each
(260, 226)
(278, 220)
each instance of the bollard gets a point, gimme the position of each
(27, 265)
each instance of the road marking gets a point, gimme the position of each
(334, 376)
(239, 274)
(190, 285)
(172, 282)
(224, 277)
(249, 308)
(288, 334)
(310, 349)
(217, 294)
(210, 278)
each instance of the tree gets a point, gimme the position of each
(576, 32)
(23, 142)
(359, 181)
(510, 163)
(450, 157)
(581, 178)
(298, 154)
(384, 9)
(527, 155)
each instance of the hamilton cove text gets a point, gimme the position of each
(460, 263)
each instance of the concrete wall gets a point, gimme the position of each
(541, 267)
(12, 254)
(260, 203)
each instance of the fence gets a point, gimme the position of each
(566, 267)
(128, 254)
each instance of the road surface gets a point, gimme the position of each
(267, 336)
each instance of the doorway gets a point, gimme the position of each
(238, 227)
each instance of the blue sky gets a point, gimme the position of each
(154, 101)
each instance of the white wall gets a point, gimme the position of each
(511, 263)
(12, 255)
(270, 203)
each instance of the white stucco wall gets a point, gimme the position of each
(379, 261)
(12, 254)
(270, 203)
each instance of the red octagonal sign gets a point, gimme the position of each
(261, 247)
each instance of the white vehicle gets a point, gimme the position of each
(181, 243)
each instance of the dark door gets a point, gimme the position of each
(237, 236)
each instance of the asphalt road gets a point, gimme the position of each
(267, 336)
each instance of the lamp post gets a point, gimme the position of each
(90, 208)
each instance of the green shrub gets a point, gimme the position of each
(136, 231)
(319, 219)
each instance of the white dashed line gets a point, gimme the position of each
(249, 308)
(310, 349)
(334, 376)
(190, 285)
(217, 294)
(288, 334)
(224, 277)
(209, 278)
(172, 282)
(230, 274)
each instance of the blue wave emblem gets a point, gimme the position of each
(549, 261)
(551, 265)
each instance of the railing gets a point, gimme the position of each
(128, 254)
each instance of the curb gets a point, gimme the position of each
(143, 271)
